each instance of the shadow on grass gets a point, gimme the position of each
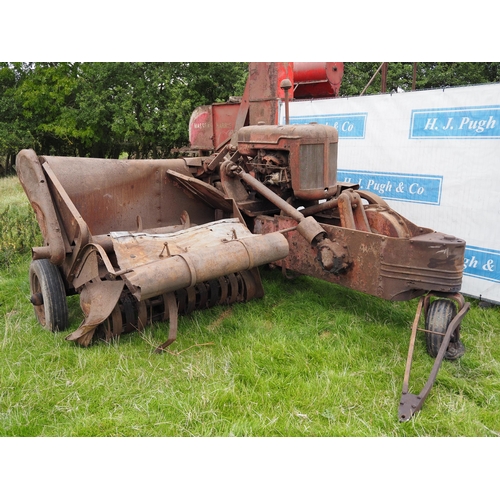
(300, 292)
(336, 297)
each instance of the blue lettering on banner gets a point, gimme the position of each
(481, 122)
(400, 187)
(482, 263)
(349, 126)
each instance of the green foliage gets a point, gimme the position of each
(429, 75)
(104, 109)
(308, 359)
(142, 109)
(15, 131)
(19, 229)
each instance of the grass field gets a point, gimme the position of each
(308, 359)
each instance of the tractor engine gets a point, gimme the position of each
(272, 169)
(292, 160)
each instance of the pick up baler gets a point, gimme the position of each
(142, 240)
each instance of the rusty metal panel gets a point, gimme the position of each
(210, 127)
(158, 264)
(264, 79)
(110, 195)
(32, 178)
(206, 193)
(386, 267)
(201, 128)
(224, 122)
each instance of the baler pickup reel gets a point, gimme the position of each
(92, 214)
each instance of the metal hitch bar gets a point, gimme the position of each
(411, 403)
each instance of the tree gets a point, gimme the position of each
(104, 109)
(429, 75)
(46, 101)
(14, 132)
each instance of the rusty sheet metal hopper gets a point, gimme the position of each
(136, 243)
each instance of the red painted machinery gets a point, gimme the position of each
(213, 126)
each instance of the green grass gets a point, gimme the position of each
(308, 359)
(18, 227)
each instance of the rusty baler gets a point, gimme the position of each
(141, 240)
(134, 245)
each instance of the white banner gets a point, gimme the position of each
(434, 155)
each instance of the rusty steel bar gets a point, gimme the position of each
(279, 202)
(308, 227)
(320, 207)
(411, 403)
(286, 85)
(173, 320)
(406, 378)
(371, 79)
(383, 86)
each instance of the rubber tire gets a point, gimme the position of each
(439, 315)
(46, 279)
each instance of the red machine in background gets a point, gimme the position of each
(212, 126)
(316, 80)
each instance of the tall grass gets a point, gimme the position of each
(308, 359)
(19, 230)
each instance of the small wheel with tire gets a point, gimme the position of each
(48, 295)
(439, 315)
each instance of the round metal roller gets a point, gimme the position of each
(213, 293)
(181, 296)
(202, 295)
(233, 289)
